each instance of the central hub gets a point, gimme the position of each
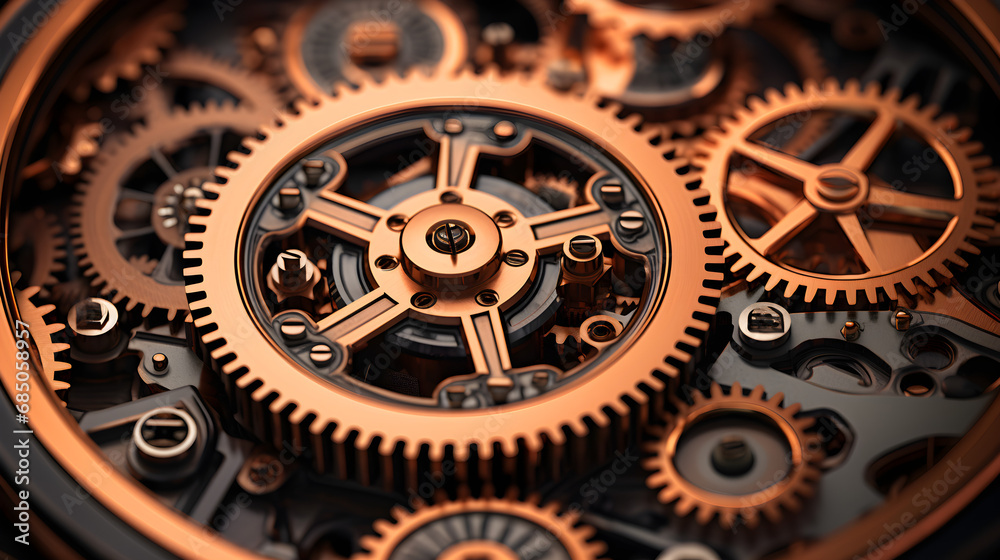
(451, 245)
(837, 189)
(451, 238)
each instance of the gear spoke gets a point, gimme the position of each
(457, 159)
(162, 162)
(344, 216)
(363, 319)
(775, 160)
(855, 233)
(486, 342)
(763, 194)
(916, 205)
(555, 228)
(800, 216)
(125, 234)
(863, 153)
(141, 196)
(215, 148)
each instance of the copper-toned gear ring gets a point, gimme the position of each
(792, 210)
(291, 400)
(800, 473)
(253, 91)
(682, 23)
(96, 235)
(482, 532)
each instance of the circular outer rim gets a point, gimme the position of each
(297, 397)
(804, 454)
(565, 527)
(969, 172)
(81, 459)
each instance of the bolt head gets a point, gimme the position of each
(631, 222)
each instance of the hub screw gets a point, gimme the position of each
(487, 298)
(423, 300)
(321, 355)
(516, 258)
(732, 456)
(631, 222)
(765, 325)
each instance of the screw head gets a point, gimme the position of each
(423, 300)
(612, 193)
(386, 262)
(453, 126)
(451, 197)
(293, 329)
(451, 238)
(159, 361)
(583, 246)
(321, 355)
(516, 258)
(732, 456)
(487, 298)
(631, 222)
(765, 325)
(504, 130)
(851, 331)
(901, 320)
(314, 169)
(288, 199)
(396, 222)
(91, 314)
(504, 219)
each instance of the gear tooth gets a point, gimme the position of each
(831, 85)
(790, 290)
(772, 283)
(810, 294)
(831, 296)
(704, 515)
(852, 297)
(871, 294)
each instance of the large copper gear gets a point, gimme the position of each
(42, 330)
(486, 528)
(284, 398)
(142, 44)
(95, 234)
(801, 470)
(658, 19)
(253, 91)
(791, 210)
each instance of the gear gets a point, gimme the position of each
(659, 20)
(141, 44)
(41, 332)
(488, 528)
(777, 205)
(37, 242)
(136, 199)
(325, 45)
(251, 90)
(719, 455)
(328, 405)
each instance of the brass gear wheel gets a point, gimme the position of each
(730, 476)
(790, 196)
(252, 91)
(659, 19)
(133, 203)
(486, 528)
(336, 415)
(42, 331)
(141, 44)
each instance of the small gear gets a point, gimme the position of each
(135, 201)
(775, 203)
(325, 45)
(661, 20)
(42, 331)
(487, 528)
(718, 458)
(38, 242)
(181, 68)
(335, 410)
(141, 44)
